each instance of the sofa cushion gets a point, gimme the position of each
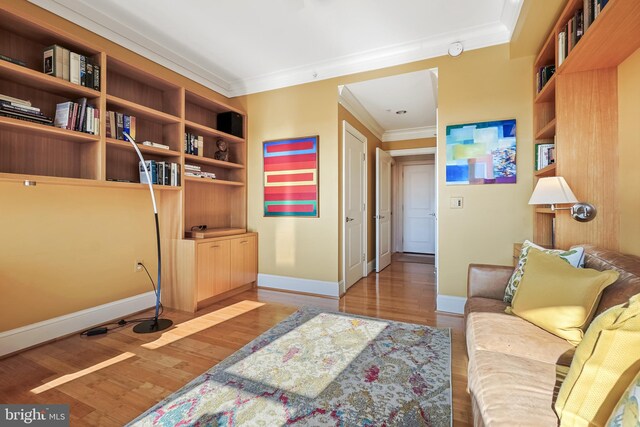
(490, 329)
(558, 297)
(604, 365)
(511, 390)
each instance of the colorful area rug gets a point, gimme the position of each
(322, 368)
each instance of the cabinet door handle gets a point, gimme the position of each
(244, 242)
(215, 246)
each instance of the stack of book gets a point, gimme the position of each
(21, 109)
(543, 76)
(118, 123)
(575, 28)
(162, 173)
(193, 144)
(545, 155)
(197, 172)
(72, 67)
(78, 116)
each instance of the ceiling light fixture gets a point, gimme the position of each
(455, 49)
(401, 112)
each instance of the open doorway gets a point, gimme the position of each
(399, 115)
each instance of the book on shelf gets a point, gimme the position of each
(543, 75)
(197, 172)
(78, 116)
(73, 67)
(117, 123)
(193, 144)
(13, 60)
(200, 145)
(161, 173)
(545, 155)
(21, 109)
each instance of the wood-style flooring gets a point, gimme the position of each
(110, 379)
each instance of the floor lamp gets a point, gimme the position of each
(155, 324)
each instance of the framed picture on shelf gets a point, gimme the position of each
(291, 177)
(481, 153)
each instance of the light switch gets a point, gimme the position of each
(455, 203)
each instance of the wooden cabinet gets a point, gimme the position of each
(214, 268)
(209, 270)
(243, 261)
(578, 110)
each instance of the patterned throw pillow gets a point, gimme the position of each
(574, 256)
(626, 412)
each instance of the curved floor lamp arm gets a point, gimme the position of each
(155, 324)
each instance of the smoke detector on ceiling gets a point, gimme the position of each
(455, 49)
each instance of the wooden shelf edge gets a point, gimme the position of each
(213, 181)
(79, 182)
(204, 101)
(546, 171)
(24, 126)
(548, 131)
(548, 91)
(143, 148)
(141, 110)
(213, 233)
(212, 162)
(213, 132)
(45, 81)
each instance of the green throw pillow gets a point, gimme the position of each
(574, 256)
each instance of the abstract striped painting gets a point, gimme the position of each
(291, 177)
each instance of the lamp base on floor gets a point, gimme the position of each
(150, 326)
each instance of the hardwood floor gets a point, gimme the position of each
(110, 379)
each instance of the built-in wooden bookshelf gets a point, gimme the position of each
(164, 110)
(577, 110)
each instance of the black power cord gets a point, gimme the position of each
(112, 326)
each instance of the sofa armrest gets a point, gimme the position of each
(487, 281)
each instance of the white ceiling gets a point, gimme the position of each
(245, 46)
(376, 104)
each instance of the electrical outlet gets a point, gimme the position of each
(137, 268)
(456, 203)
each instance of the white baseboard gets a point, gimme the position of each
(295, 284)
(371, 266)
(450, 304)
(47, 330)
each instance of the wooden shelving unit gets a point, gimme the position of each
(165, 109)
(578, 110)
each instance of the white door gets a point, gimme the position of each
(419, 216)
(383, 209)
(354, 197)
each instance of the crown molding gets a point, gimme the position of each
(510, 14)
(83, 14)
(411, 133)
(352, 105)
(93, 20)
(473, 38)
(412, 152)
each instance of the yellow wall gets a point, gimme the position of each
(629, 153)
(296, 247)
(67, 248)
(480, 85)
(410, 143)
(372, 143)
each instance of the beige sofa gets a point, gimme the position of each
(512, 363)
